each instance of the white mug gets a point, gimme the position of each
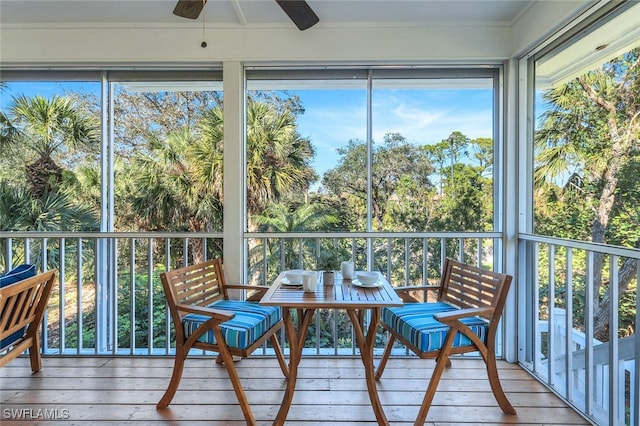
(347, 269)
(309, 281)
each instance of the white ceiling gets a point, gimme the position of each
(247, 13)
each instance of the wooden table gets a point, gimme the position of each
(342, 295)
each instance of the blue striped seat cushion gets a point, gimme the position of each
(415, 322)
(250, 323)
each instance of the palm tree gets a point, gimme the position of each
(177, 183)
(46, 127)
(53, 211)
(176, 186)
(277, 157)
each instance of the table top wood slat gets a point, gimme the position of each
(342, 294)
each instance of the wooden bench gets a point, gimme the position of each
(205, 318)
(464, 319)
(22, 306)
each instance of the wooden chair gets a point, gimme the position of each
(464, 319)
(205, 318)
(22, 306)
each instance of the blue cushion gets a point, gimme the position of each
(15, 275)
(19, 273)
(415, 322)
(250, 323)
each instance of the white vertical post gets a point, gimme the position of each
(234, 172)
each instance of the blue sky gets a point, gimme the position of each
(421, 116)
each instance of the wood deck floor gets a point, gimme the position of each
(330, 391)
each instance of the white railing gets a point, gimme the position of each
(108, 299)
(578, 334)
(600, 371)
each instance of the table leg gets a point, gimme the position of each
(366, 344)
(296, 344)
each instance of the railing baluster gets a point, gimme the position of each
(132, 296)
(407, 263)
(98, 340)
(27, 250)
(114, 296)
(568, 367)
(8, 255)
(635, 388)
(588, 329)
(167, 313)
(62, 330)
(614, 391)
(79, 294)
(185, 250)
(425, 262)
(265, 270)
(551, 306)
(537, 335)
(150, 264)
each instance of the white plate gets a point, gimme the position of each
(358, 283)
(285, 281)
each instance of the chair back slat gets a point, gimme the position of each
(468, 286)
(18, 308)
(199, 285)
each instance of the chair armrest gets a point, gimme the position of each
(452, 316)
(219, 314)
(404, 292)
(246, 287)
(259, 289)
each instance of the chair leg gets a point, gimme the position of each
(442, 363)
(279, 355)
(448, 360)
(496, 387)
(34, 355)
(178, 365)
(227, 360)
(385, 357)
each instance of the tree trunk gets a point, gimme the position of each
(43, 175)
(627, 273)
(610, 178)
(195, 244)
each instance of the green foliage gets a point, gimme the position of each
(55, 210)
(278, 157)
(281, 218)
(331, 258)
(589, 134)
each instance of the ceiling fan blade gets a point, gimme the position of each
(299, 12)
(189, 8)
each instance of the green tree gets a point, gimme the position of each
(277, 156)
(177, 186)
(395, 162)
(47, 128)
(139, 114)
(591, 129)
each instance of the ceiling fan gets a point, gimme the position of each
(298, 11)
